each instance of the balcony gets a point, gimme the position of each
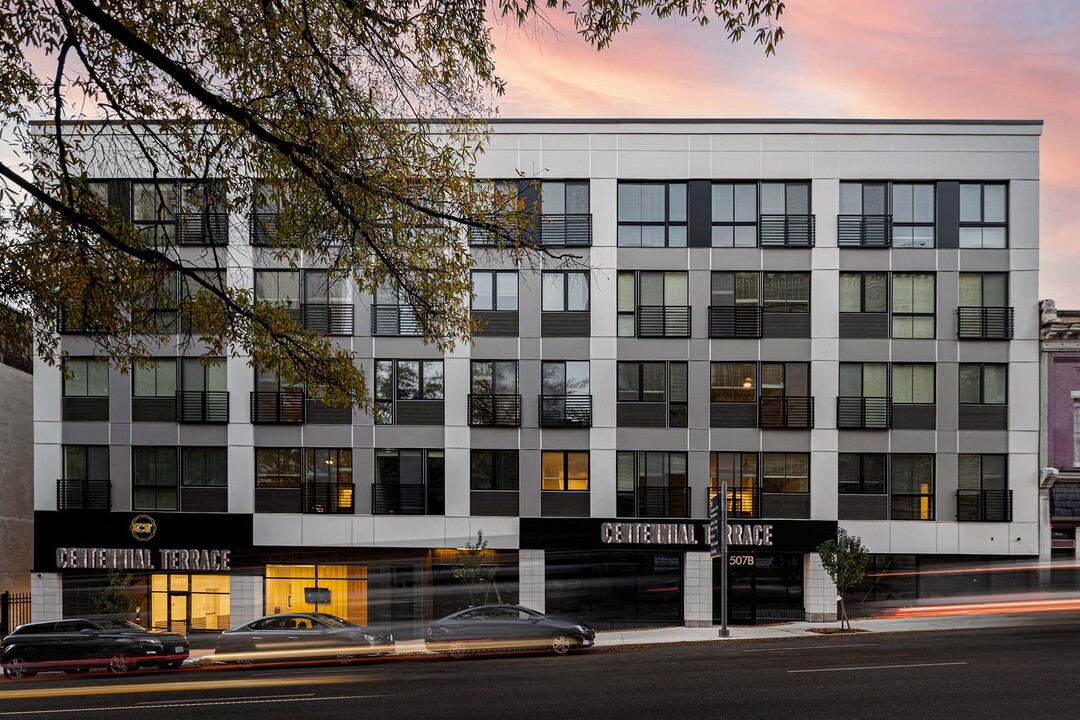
(71, 322)
(328, 497)
(394, 320)
(566, 411)
(792, 413)
(743, 502)
(327, 318)
(786, 231)
(865, 231)
(663, 321)
(399, 499)
(262, 229)
(494, 410)
(735, 321)
(984, 323)
(984, 505)
(205, 228)
(863, 413)
(202, 406)
(571, 230)
(84, 495)
(284, 407)
(654, 502)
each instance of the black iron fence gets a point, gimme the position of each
(786, 412)
(570, 230)
(281, 407)
(328, 497)
(14, 611)
(202, 406)
(735, 321)
(984, 323)
(654, 502)
(786, 231)
(863, 413)
(663, 321)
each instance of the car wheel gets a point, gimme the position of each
(15, 668)
(561, 644)
(346, 658)
(457, 650)
(76, 671)
(121, 663)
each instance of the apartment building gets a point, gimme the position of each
(838, 318)
(1060, 446)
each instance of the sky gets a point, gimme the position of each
(986, 59)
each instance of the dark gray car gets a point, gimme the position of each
(300, 636)
(76, 645)
(506, 627)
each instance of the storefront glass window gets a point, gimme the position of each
(186, 603)
(305, 588)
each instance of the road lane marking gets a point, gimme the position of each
(181, 704)
(813, 647)
(877, 667)
(152, 703)
(196, 685)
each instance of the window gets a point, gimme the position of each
(983, 384)
(269, 381)
(650, 469)
(494, 377)
(494, 470)
(739, 470)
(655, 382)
(785, 472)
(154, 485)
(204, 467)
(785, 198)
(913, 383)
(495, 290)
(736, 289)
(652, 215)
(984, 290)
(734, 382)
(913, 305)
(786, 292)
(913, 215)
(565, 377)
(863, 292)
(277, 467)
(153, 211)
(86, 462)
(197, 376)
(982, 472)
(86, 377)
(912, 487)
(983, 215)
(565, 471)
(864, 380)
(784, 379)
(397, 380)
(328, 466)
(278, 287)
(864, 198)
(564, 197)
(734, 215)
(322, 288)
(565, 292)
(654, 294)
(159, 304)
(156, 378)
(410, 482)
(861, 473)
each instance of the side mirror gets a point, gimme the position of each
(88, 631)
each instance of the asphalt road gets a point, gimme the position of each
(1015, 673)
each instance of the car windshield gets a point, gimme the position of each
(114, 624)
(332, 620)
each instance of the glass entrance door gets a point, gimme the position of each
(178, 611)
(762, 588)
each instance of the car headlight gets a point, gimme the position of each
(153, 641)
(583, 629)
(370, 638)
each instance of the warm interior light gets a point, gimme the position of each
(748, 383)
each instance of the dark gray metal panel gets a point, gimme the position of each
(204, 499)
(863, 507)
(733, 415)
(85, 408)
(496, 322)
(492, 502)
(948, 214)
(420, 412)
(914, 417)
(641, 414)
(699, 214)
(278, 500)
(529, 191)
(319, 413)
(984, 417)
(564, 504)
(785, 505)
(565, 324)
(153, 409)
(864, 325)
(785, 325)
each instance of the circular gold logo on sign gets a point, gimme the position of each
(143, 527)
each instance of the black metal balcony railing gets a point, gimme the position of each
(327, 497)
(205, 228)
(328, 318)
(570, 230)
(984, 323)
(399, 499)
(984, 505)
(202, 406)
(870, 413)
(654, 502)
(262, 229)
(565, 410)
(394, 320)
(83, 494)
(663, 321)
(869, 231)
(72, 322)
(786, 412)
(735, 321)
(786, 231)
(498, 410)
(743, 502)
(277, 407)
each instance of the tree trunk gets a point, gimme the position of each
(843, 614)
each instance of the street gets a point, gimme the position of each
(1016, 672)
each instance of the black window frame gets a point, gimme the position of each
(640, 464)
(566, 470)
(982, 223)
(863, 484)
(893, 314)
(495, 274)
(894, 459)
(787, 477)
(758, 214)
(632, 314)
(982, 289)
(102, 451)
(496, 479)
(891, 187)
(89, 361)
(862, 274)
(982, 367)
(156, 362)
(756, 379)
(381, 403)
(892, 382)
(666, 224)
(566, 289)
(158, 487)
(186, 462)
(677, 410)
(280, 467)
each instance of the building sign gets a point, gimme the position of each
(142, 559)
(648, 533)
(143, 528)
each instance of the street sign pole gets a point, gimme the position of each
(724, 632)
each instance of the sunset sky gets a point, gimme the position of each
(840, 58)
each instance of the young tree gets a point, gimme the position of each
(845, 559)
(115, 599)
(472, 573)
(355, 124)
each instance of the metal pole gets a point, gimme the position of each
(724, 632)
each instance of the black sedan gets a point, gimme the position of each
(300, 636)
(77, 645)
(506, 627)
